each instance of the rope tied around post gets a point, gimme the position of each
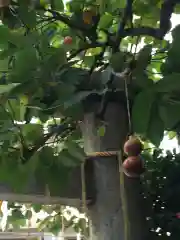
(102, 154)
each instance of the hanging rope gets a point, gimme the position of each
(120, 157)
(102, 154)
(123, 198)
(83, 185)
(128, 104)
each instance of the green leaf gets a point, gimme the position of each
(168, 83)
(155, 131)
(117, 61)
(75, 111)
(102, 37)
(75, 150)
(6, 53)
(56, 225)
(71, 158)
(122, 3)
(17, 214)
(16, 222)
(101, 131)
(4, 65)
(13, 107)
(94, 51)
(8, 87)
(55, 228)
(5, 34)
(36, 207)
(32, 131)
(26, 60)
(28, 17)
(141, 79)
(58, 5)
(43, 3)
(144, 58)
(170, 114)
(141, 111)
(89, 60)
(105, 21)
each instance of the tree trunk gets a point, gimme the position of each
(106, 213)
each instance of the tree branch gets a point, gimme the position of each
(166, 11)
(147, 31)
(165, 24)
(68, 21)
(127, 16)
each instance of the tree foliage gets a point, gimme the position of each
(47, 218)
(47, 80)
(161, 190)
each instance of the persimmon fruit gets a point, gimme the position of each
(68, 40)
(133, 146)
(88, 17)
(133, 166)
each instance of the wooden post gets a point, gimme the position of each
(106, 214)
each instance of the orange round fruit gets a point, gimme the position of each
(68, 40)
(88, 16)
(133, 147)
(133, 166)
